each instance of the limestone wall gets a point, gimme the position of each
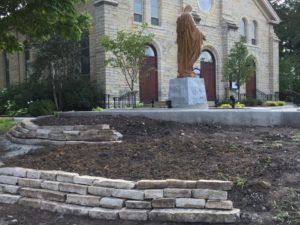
(113, 199)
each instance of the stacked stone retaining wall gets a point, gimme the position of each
(114, 199)
(27, 132)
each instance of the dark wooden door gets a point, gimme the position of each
(251, 87)
(208, 73)
(149, 80)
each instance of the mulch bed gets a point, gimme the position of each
(158, 150)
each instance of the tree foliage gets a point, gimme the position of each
(239, 65)
(128, 52)
(39, 20)
(57, 62)
(288, 32)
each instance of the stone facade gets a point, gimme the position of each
(220, 25)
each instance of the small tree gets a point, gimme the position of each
(239, 66)
(128, 50)
(56, 61)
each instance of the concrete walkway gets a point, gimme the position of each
(256, 116)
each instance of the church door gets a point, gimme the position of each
(208, 73)
(251, 86)
(149, 77)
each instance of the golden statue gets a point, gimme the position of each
(189, 41)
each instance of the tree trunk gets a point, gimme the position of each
(53, 86)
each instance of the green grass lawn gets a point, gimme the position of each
(6, 124)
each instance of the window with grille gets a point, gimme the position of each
(155, 6)
(138, 11)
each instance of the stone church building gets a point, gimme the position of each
(222, 21)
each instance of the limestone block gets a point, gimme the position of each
(73, 188)
(31, 202)
(214, 185)
(86, 200)
(190, 203)
(49, 175)
(43, 194)
(50, 185)
(134, 214)
(209, 194)
(9, 199)
(152, 184)
(118, 184)
(19, 172)
(9, 171)
(33, 183)
(8, 180)
(112, 203)
(89, 133)
(57, 137)
(66, 177)
(87, 180)
(22, 130)
(138, 205)
(29, 125)
(177, 193)
(163, 203)
(188, 93)
(185, 184)
(195, 215)
(10, 189)
(72, 210)
(104, 214)
(71, 132)
(154, 194)
(33, 174)
(49, 206)
(128, 194)
(43, 133)
(211, 204)
(100, 191)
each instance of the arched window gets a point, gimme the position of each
(206, 57)
(243, 29)
(205, 5)
(138, 11)
(155, 5)
(149, 51)
(254, 33)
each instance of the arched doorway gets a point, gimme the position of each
(149, 77)
(208, 73)
(251, 85)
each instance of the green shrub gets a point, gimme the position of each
(270, 103)
(281, 103)
(41, 107)
(226, 106)
(97, 109)
(239, 105)
(139, 105)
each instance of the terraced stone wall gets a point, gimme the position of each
(114, 199)
(27, 132)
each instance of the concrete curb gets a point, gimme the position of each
(234, 117)
(114, 199)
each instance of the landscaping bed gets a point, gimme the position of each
(264, 163)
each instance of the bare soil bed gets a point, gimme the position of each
(264, 163)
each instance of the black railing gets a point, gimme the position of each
(127, 100)
(263, 96)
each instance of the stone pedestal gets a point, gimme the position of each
(188, 93)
